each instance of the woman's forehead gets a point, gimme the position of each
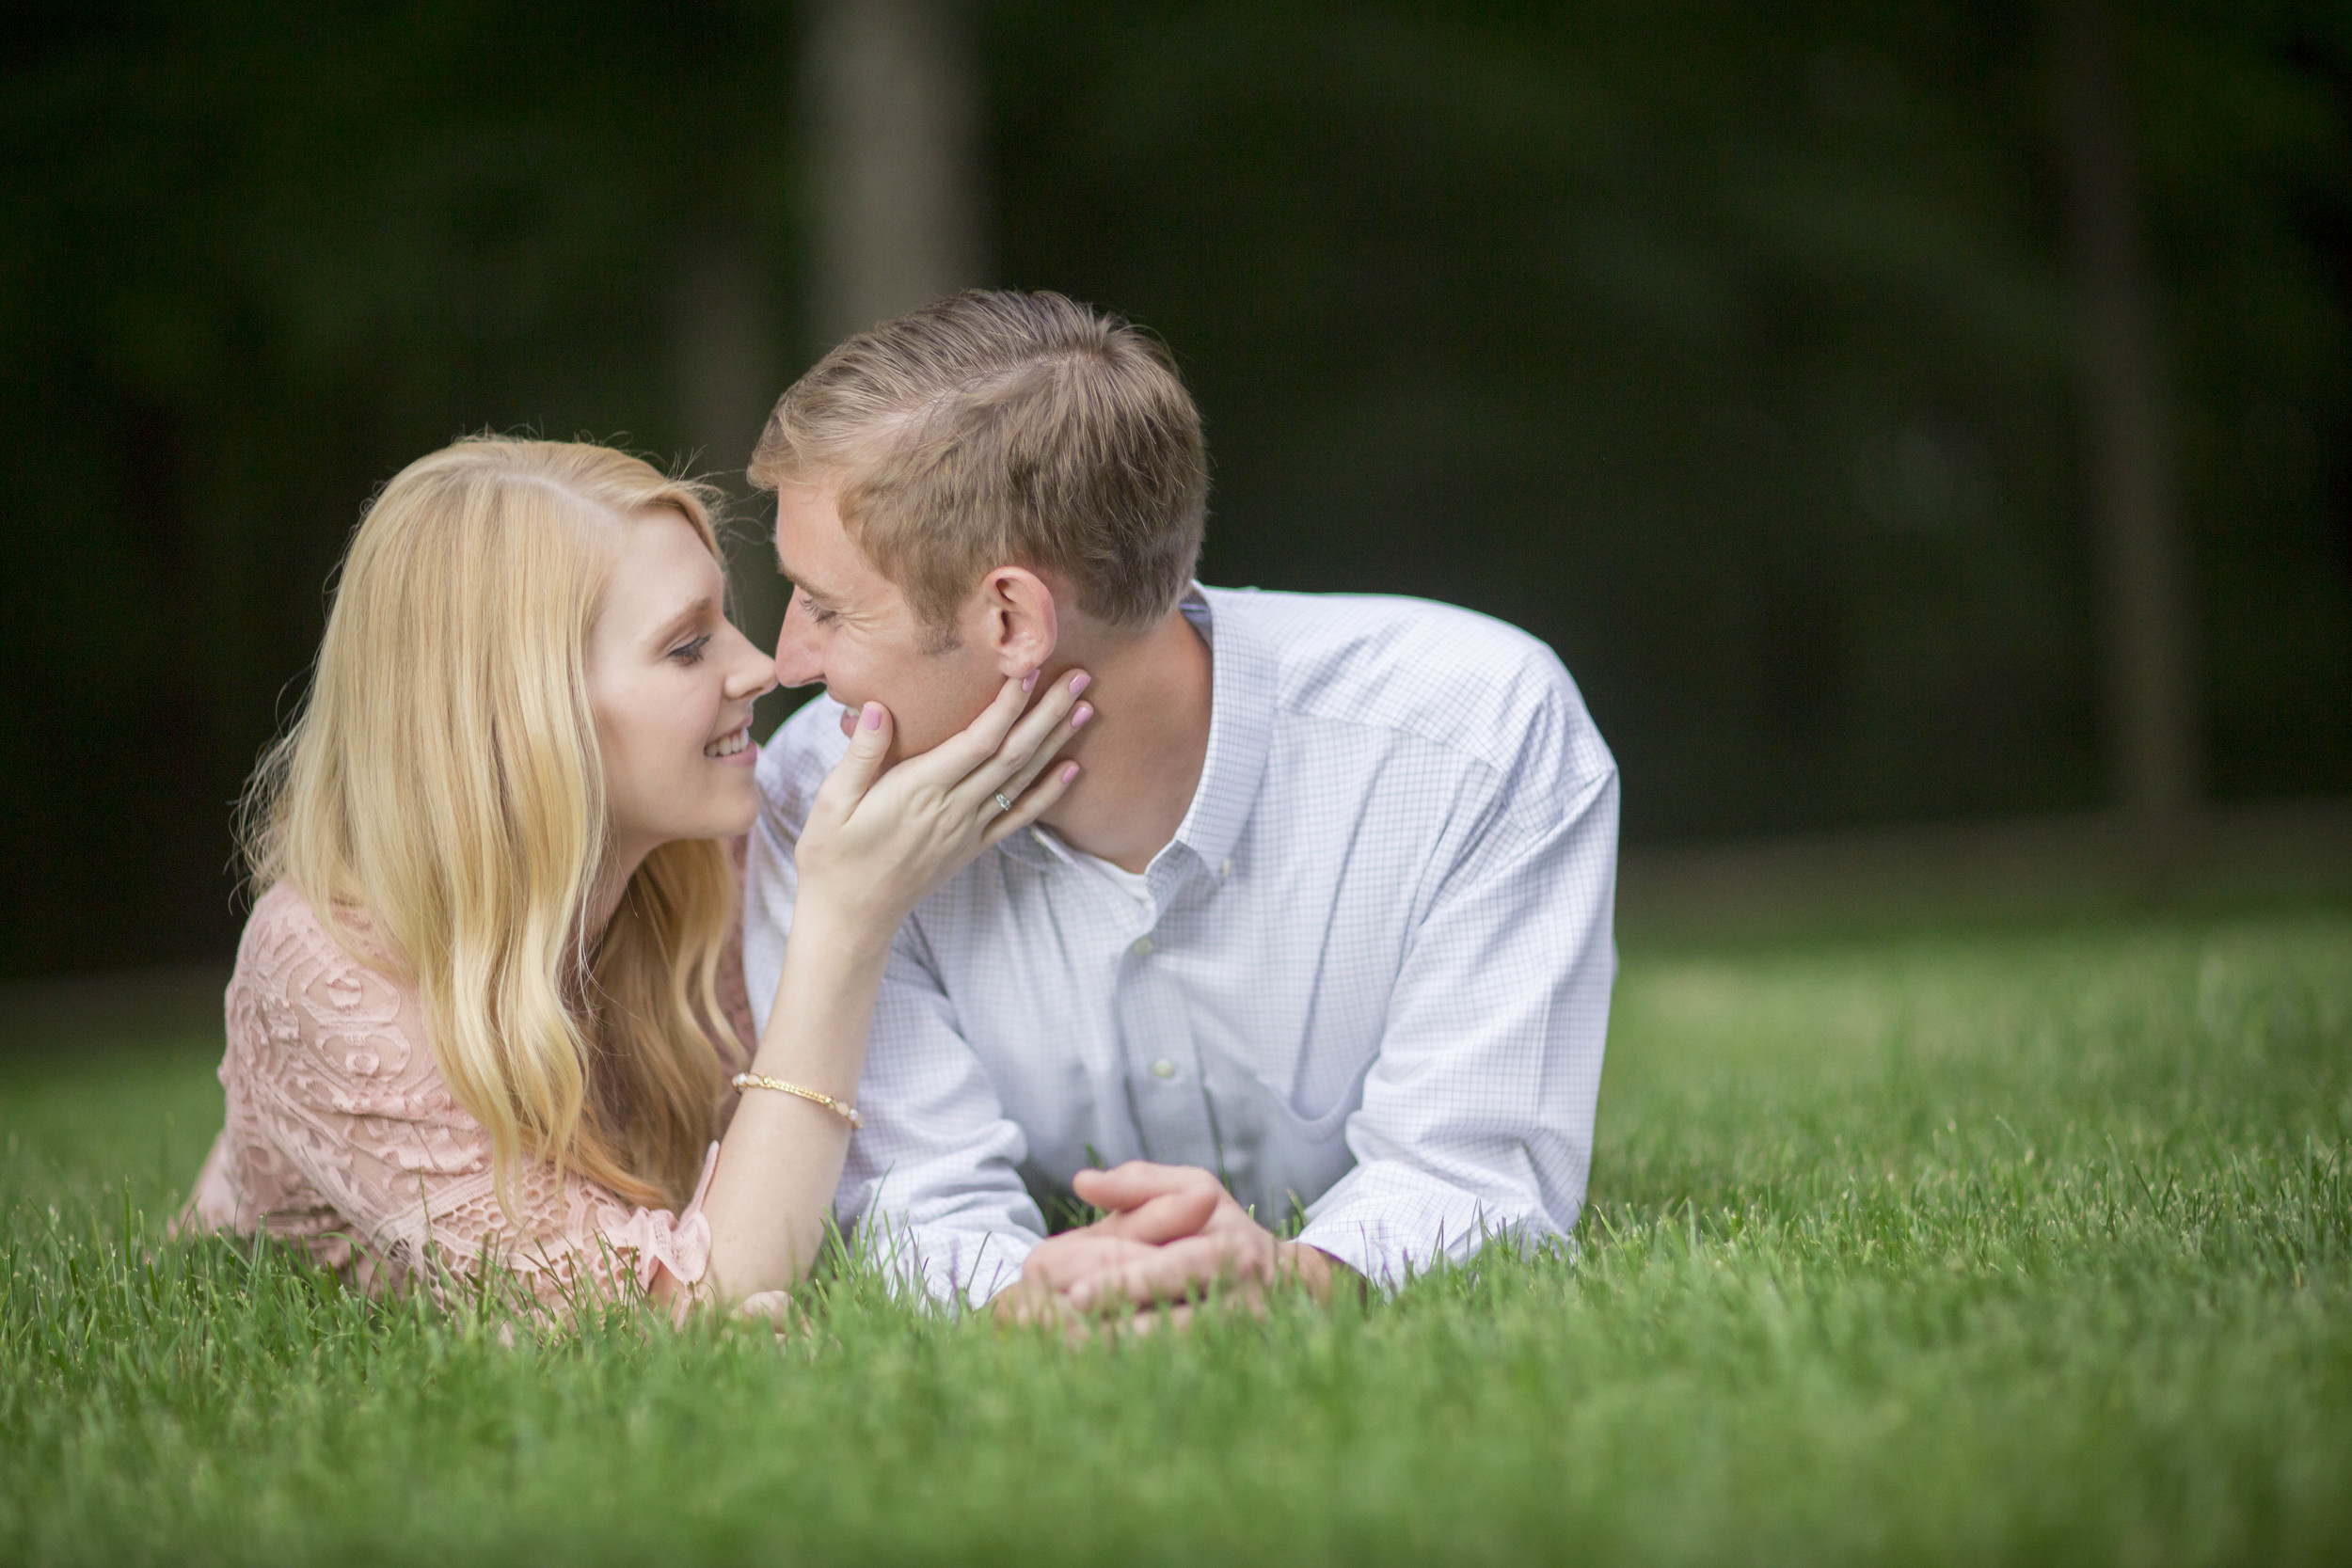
(661, 566)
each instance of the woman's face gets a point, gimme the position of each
(671, 684)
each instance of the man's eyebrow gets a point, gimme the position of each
(803, 583)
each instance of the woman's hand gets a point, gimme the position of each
(876, 842)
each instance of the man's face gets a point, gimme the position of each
(849, 626)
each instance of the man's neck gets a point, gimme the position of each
(1144, 751)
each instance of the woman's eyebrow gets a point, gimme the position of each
(693, 615)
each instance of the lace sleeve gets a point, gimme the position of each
(341, 1096)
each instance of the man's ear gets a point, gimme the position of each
(1021, 626)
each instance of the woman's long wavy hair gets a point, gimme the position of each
(445, 781)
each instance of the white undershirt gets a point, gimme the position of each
(1135, 884)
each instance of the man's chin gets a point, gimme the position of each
(849, 723)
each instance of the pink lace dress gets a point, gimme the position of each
(342, 1139)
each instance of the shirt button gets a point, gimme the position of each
(1163, 1069)
(1140, 946)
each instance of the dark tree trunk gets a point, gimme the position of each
(2149, 642)
(894, 100)
(727, 371)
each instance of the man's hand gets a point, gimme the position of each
(1172, 1233)
(1117, 1240)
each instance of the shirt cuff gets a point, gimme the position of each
(1388, 1221)
(951, 1268)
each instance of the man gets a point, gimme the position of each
(1322, 932)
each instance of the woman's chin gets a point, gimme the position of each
(735, 806)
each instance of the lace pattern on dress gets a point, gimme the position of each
(342, 1139)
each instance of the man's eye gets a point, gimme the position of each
(820, 614)
(690, 653)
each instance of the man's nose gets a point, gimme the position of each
(798, 661)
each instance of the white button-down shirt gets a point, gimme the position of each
(1369, 987)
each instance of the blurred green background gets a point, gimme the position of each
(1748, 355)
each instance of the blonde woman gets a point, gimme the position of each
(488, 1005)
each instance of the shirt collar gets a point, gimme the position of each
(1241, 732)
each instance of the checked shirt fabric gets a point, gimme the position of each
(1369, 987)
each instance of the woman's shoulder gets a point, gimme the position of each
(309, 976)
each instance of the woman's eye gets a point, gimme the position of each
(820, 614)
(690, 653)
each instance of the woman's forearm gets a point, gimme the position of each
(781, 1159)
(877, 839)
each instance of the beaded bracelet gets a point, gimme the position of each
(758, 1081)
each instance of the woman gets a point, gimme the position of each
(490, 999)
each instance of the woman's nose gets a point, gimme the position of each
(755, 678)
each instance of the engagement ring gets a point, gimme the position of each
(1003, 804)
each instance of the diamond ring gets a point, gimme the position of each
(1003, 804)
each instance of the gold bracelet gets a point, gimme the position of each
(759, 1081)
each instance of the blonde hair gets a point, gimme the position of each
(444, 780)
(999, 428)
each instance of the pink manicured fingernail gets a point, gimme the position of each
(1069, 771)
(1078, 682)
(1028, 682)
(873, 716)
(1079, 715)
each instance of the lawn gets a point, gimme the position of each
(2004, 1244)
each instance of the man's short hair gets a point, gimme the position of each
(998, 428)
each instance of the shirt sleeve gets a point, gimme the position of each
(1477, 1112)
(930, 1190)
(341, 1105)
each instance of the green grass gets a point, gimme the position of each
(1989, 1247)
